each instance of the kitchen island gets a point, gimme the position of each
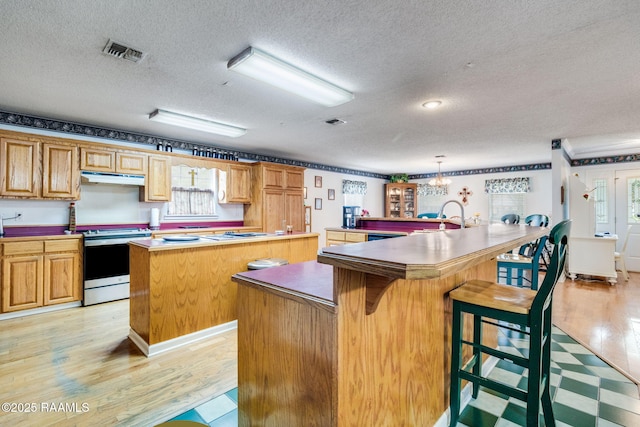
(363, 337)
(181, 290)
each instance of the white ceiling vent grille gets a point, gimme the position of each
(119, 50)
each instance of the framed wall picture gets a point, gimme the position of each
(319, 181)
(332, 194)
(318, 203)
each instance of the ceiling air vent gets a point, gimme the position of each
(121, 51)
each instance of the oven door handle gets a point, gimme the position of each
(107, 242)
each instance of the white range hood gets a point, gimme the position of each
(87, 177)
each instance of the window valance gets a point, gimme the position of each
(354, 187)
(507, 185)
(432, 190)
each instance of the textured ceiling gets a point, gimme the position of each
(512, 75)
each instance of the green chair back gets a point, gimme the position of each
(559, 237)
(537, 220)
(510, 218)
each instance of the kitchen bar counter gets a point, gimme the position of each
(182, 291)
(160, 244)
(408, 225)
(377, 351)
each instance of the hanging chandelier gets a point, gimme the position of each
(439, 180)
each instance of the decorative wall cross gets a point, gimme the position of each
(193, 174)
(465, 193)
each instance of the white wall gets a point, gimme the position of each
(331, 213)
(98, 204)
(538, 200)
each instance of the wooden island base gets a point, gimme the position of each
(364, 341)
(181, 292)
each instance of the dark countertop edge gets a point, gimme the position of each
(156, 245)
(304, 273)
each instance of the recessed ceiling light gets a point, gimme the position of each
(432, 104)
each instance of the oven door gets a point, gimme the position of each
(106, 271)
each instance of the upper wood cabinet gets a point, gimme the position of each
(277, 198)
(19, 168)
(31, 169)
(158, 183)
(282, 177)
(98, 160)
(234, 184)
(60, 171)
(131, 163)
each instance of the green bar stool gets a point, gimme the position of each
(511, 308)
(527, 259)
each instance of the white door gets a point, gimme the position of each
(627, 185)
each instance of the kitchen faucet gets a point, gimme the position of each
(461, 210)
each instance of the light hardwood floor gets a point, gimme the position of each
(603, 318)
(82, 355)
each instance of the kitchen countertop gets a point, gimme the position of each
(431, 255)
(203, 230)
(47, 236)
(159, 244)
(309, 280)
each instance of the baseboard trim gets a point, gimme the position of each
(40, 310)
(155, 349)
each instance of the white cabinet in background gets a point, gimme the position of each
(593, 256)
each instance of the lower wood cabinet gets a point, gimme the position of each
(38, 273)
(335, 238)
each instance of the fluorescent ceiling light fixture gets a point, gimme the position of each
(266, 68)
(194, 123)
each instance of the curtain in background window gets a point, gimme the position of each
(507, 185)
(432, 190)
(354, 187)
(192, 201)
(506, 196)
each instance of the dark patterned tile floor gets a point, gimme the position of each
(584, 389)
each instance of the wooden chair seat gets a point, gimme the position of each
(495, 296)
(514, 258)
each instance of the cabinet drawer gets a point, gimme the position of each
(335, 235)
(355, 237)
(335, 243)
(62, 245)
(23, 248)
